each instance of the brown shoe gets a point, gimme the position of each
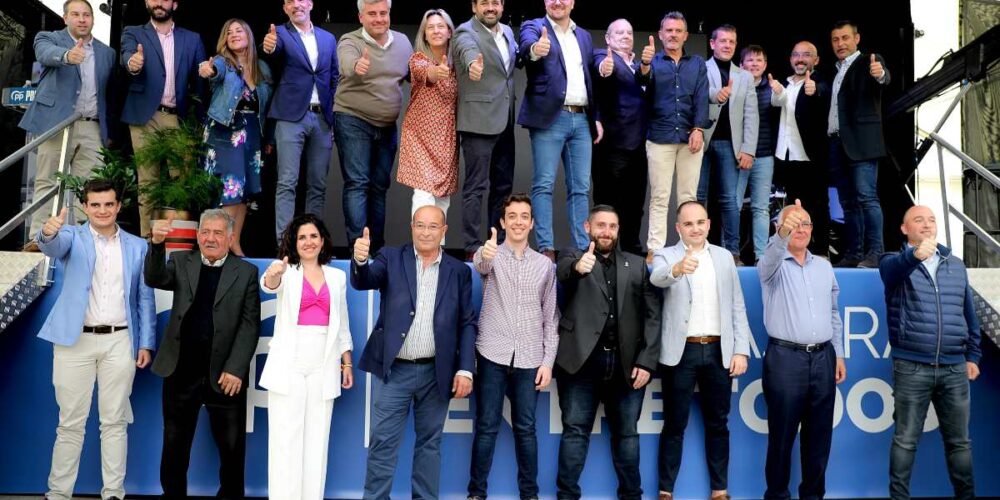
(31, 246)
(665, 496)
(550, 253)
(649, 261)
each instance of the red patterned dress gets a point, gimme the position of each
(428, 153)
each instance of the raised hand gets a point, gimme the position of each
(925, 249)
(206, 69)
(490, 247)
(54, 224)
(271, 40)
(607, 65)
(776, 87)
(687, 265)
(809, 87)
(649, 51)
(875, 67)
(161, 228)
(543, 45)
(723, 95)
(793, 218)
(137, 60)
(440, 71)
(361, 246)
(363, 64)
(76, 55)
(587, 261)
(276, 269)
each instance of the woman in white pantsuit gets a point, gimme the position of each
(309, 360)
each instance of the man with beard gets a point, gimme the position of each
(609, 344)
(485, 54)
(620, 168)
(159, 89)
(802, 149)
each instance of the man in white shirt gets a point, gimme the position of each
(706, 342)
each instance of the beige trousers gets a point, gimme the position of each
(82, 153)
(664, 161)
(108, 359)
(148, 172)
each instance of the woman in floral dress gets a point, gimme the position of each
(241, 90)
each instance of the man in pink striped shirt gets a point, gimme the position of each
(516, 346)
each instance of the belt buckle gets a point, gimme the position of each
(812, 347)
(703, 340)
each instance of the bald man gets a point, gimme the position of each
(421, 351)
(934, 334)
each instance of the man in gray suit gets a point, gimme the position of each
(706, 341)
(75, 77)
(731, 141)
(484, 51)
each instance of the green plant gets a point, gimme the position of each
(182, 183)
(113, 168)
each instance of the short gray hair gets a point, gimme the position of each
(676, 16)
(217, 213)
(361, 3)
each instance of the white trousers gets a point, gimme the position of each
(108, 359)
(299, 424)
(423, 198)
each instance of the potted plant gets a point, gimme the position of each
(114, 168)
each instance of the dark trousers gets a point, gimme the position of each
(619, 178)
(366, 153)
(700, 364)
(600, 380)
(183, 396)
(493, 382)
(489, 163)
(799, 389)
(808, 181)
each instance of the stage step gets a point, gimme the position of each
(19, 283)
(986, 292)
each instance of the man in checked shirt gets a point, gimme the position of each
(516, 346)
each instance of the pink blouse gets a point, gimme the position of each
(314, 309)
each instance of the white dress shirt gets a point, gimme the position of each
(312, 50)
(790, 147)
(501, 41)
(705, 315)
(106, 301)
(576, 83)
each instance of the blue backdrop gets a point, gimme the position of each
(858, 464)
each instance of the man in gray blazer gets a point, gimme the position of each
(75, 77)
(731, 141)
(706, 341)
(484, 52)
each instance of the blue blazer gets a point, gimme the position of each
(73, 246)
(294, 90)
(145, 90)
(621, 104)
(546, 90)
(59, 85)
(393, 272)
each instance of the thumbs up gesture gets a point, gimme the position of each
(76, 55)
(793, 218)
(649, 52)
(363, 64)
(587, 261)
(607, 65)
(809, 87)
(776, 87)
(161, 228)
(687, 265)
(137, 60)
(361, 246)
(476, 69)
(207, 69)
(543, 45)
(440, 71)
(54, 224)
(490, 247)
(275, 271)
(875, 67)
(271, 40)
(925, 249)
(723, 95)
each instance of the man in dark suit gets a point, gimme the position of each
(609, 343)
(160, 89)
(422, 349)
(559, 110)
(206, 349)
(76, 73)
(303, 108)
(620, 154)
(485, 55)
(856, 143)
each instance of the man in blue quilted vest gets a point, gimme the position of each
(935, 336)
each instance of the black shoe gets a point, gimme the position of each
(848, 262)
(870, 262)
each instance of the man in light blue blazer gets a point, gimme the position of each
(102, 327)
(706, 341)
(77, 69)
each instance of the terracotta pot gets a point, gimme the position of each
(183, 233)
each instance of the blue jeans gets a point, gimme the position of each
(568, 138)
(760, 200)
(493, 382)
(366, 155)
(600, 380)
(407, 383)
(915, 386)
(857, 187)
(312, 135)
(719, 155)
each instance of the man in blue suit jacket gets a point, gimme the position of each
(102, 326)
(303, 107)
(559, 111)
(75, 77)
(160, 89)
(421, 350)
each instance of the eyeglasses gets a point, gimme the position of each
(806, 223)
(802, 54)
(421, 227)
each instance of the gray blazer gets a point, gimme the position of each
(677, 304)
(487, 106)
(742, 107)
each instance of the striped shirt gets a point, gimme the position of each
(419, 341)
(519, 319)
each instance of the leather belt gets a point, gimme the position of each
(575, 109)
(315, 108)
(801, 347)
(103, 329)
(169, 111)
(418, 361)
(707, 339)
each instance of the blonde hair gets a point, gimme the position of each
(222, 49)
(421, 44)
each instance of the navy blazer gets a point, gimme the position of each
(621, 103)
(59, 85)
(546, 90)
(294, 89)
(859, 110)
(145, 90)
(393, 272)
